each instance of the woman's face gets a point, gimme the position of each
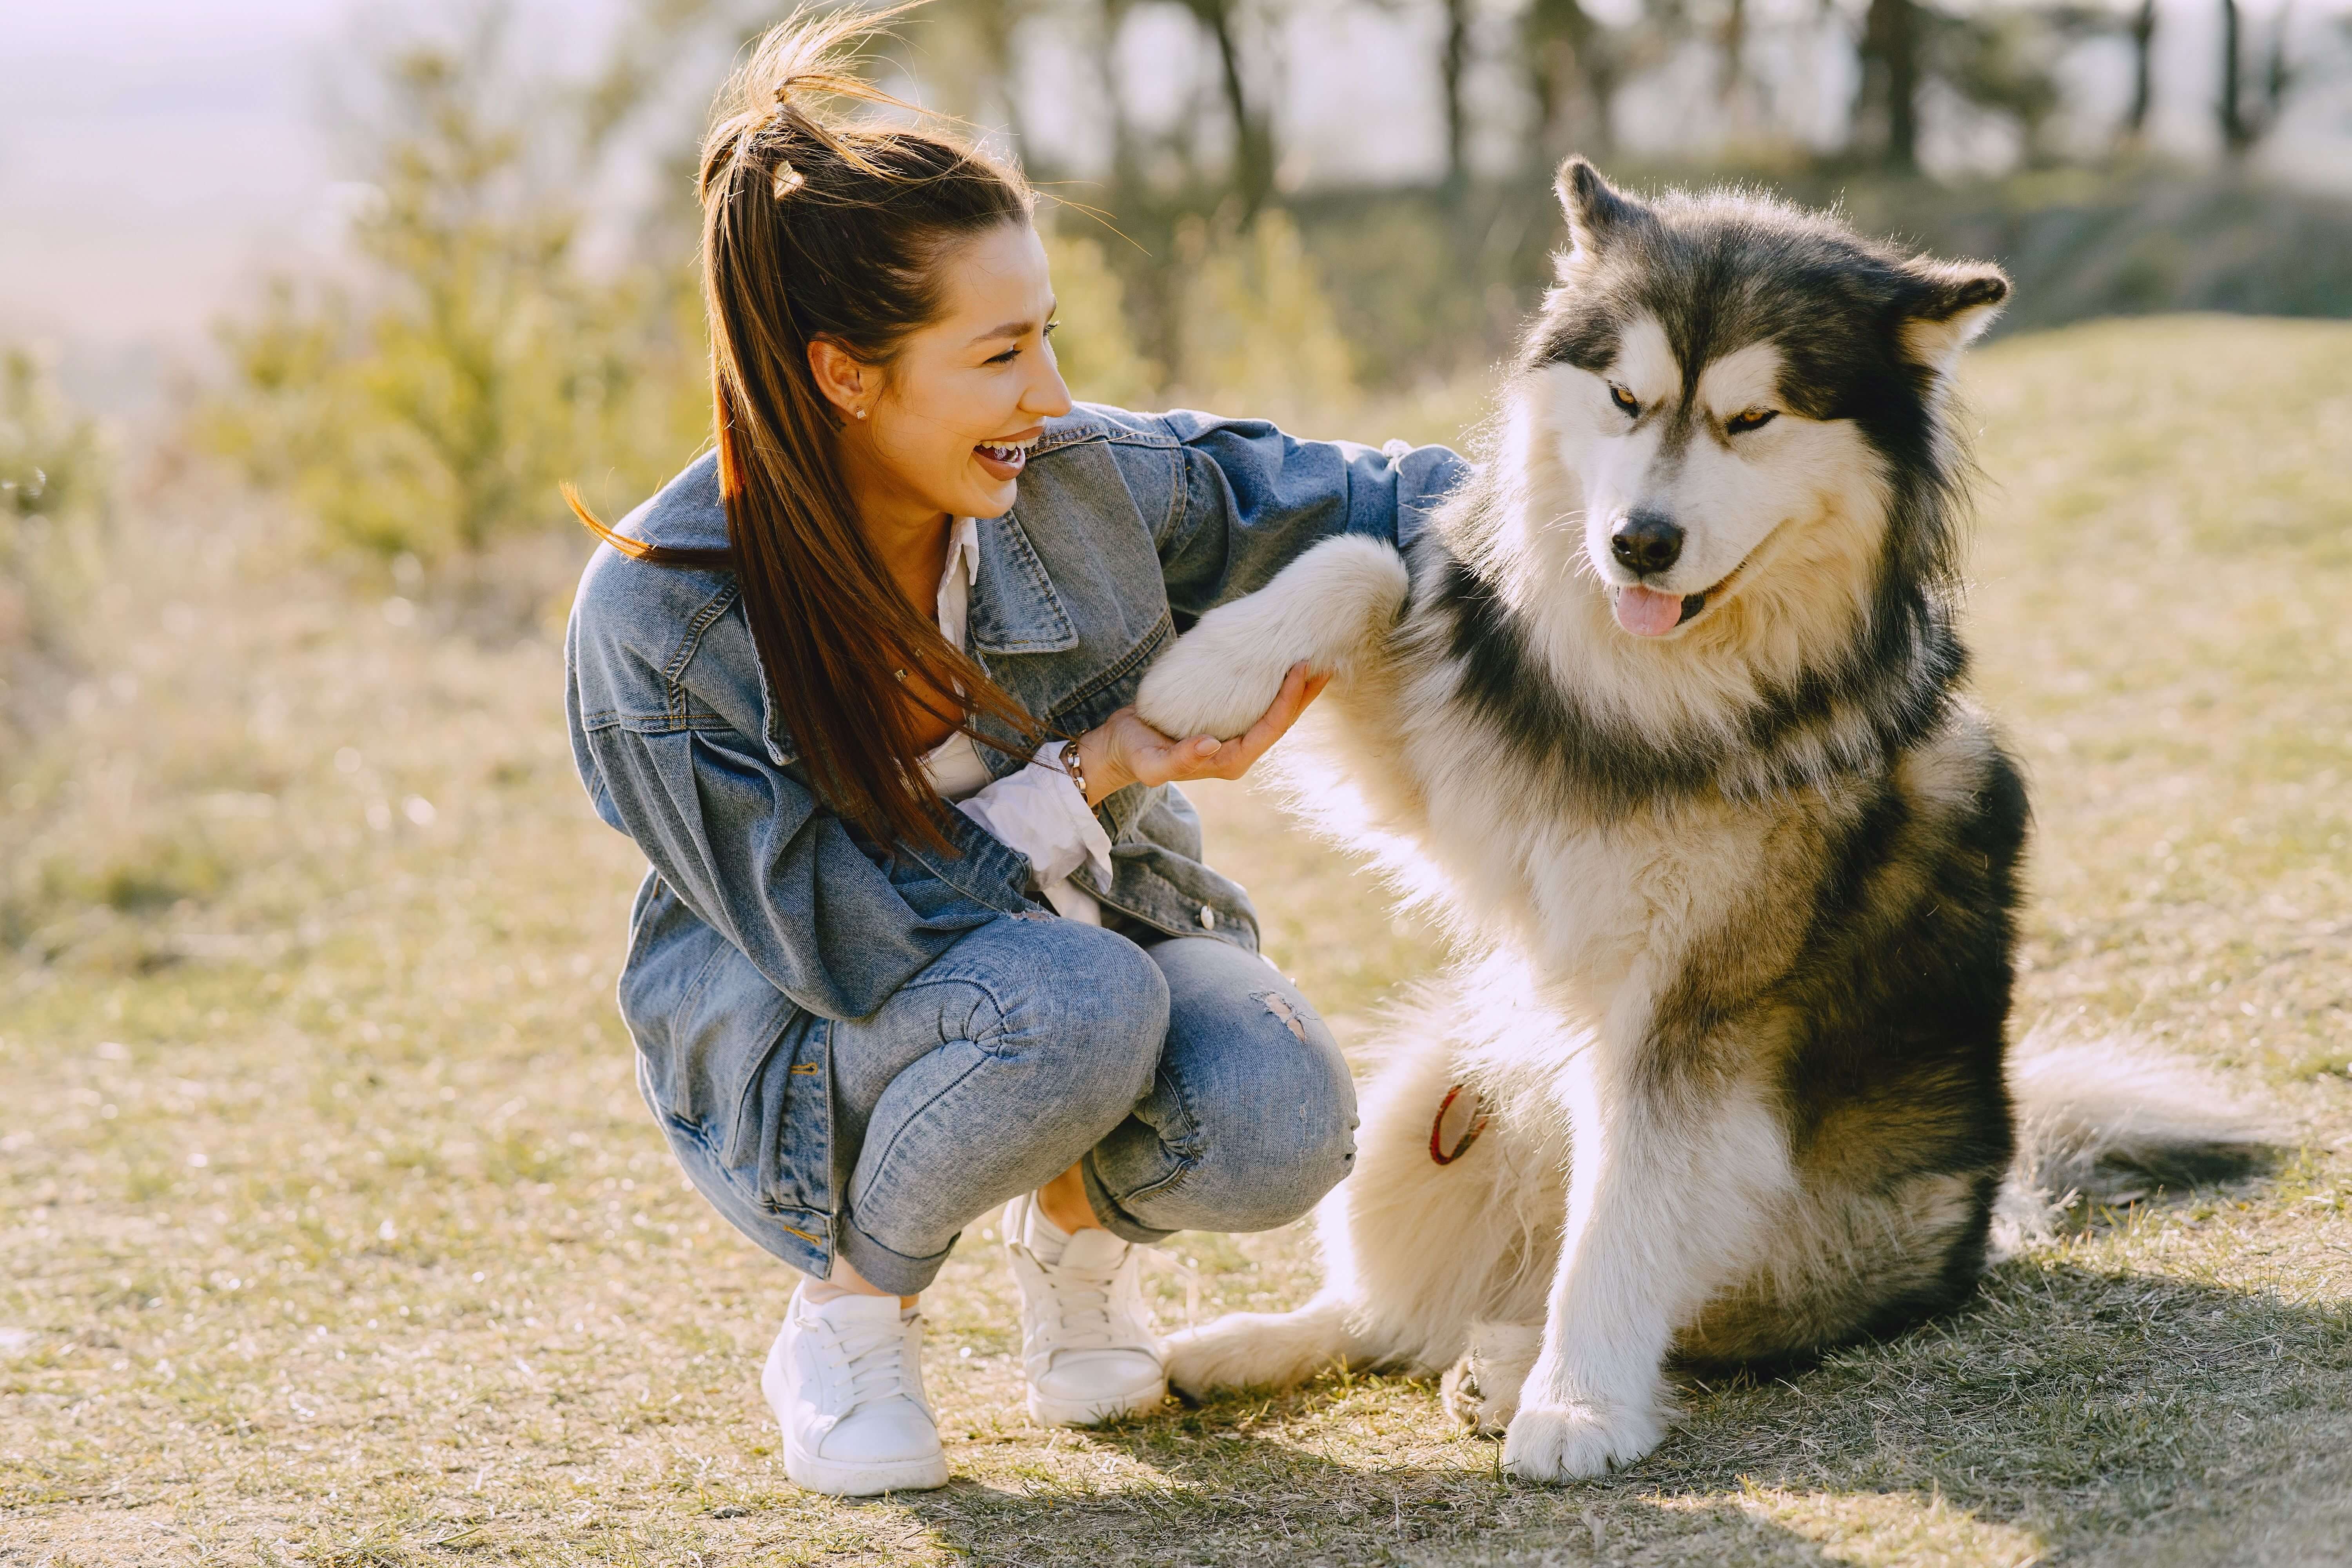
(949, 425)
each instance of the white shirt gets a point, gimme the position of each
(1037, 811)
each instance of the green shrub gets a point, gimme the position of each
(434, 404)
(1256, 330)
(53, 482)
(1094, 343)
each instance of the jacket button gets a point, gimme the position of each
(1208, 917)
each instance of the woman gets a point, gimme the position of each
(864, 1017)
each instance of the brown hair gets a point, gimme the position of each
(814, 228)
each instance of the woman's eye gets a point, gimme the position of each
(1753, 420)
(1624, 399)
(1007, 357)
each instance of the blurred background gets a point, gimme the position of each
(328, 1213)
(407, 266)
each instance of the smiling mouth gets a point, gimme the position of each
(1010, 457)
(1647, 612)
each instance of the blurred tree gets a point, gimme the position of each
(2245, 118)
(1453, 60)
(1887, 103)
(1997, 58)
(1253, 126)
(1258, 334)
(2143, 96)
(1573, 71)
(1095, 345)
(53, 481)
(436, 402)
(52, 463)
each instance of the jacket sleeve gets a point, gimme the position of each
(1248, 501)
(832, 923)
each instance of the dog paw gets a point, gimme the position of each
(1234, 1351)
(1216, 681)
(1480, 1391)
(1553, 1443)
(1326, 609)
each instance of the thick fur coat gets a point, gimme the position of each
(1663, 715)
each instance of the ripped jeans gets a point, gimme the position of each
(1191, 1082)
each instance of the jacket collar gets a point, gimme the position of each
(1014, 606)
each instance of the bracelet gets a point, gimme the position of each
(1075, 769)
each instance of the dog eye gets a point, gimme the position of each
(1624, 399)
(1753, 420)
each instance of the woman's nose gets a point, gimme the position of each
(1049, 395)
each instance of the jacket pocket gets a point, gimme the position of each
(705, 1020)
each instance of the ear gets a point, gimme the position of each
(1957, 301)
(1596, 210)
(845, 381)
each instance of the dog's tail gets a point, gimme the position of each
(2104, 1121)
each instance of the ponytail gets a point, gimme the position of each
(817, 227)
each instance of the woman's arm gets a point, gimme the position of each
(749, 851)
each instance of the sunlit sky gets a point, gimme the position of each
(156, 156)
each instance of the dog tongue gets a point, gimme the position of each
(1646, 613)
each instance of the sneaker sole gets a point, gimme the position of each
(1048, 1412)
(836, 1478)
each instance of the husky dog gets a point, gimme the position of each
(1663, 714)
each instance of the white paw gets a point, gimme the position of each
(1238, 1350)
(1325, 608)
(1216, 681)
(1480, 1391)
(1569, 1442)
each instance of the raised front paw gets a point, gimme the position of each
(1555, 1443)
(1216, 681)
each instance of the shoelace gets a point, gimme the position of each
(1079, 1295)
(877, 1362)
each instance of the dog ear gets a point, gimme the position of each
(1955, 301)
(1596, 209)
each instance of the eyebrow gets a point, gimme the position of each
(1020, 329)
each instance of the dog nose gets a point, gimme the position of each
(1646, 542)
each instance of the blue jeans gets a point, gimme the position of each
(1191, 1082)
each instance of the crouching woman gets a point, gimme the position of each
(927, 930)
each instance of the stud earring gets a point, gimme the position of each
(861, 414)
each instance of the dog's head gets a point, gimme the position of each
(1744, 391)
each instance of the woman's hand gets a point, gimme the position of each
(1124, 750)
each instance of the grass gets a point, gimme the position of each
(331, 1229)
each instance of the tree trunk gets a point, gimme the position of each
(1570, 76)
(1457, 58)
(1889, 99)
(2237, 133)
(2143, 38)
(1253, 173)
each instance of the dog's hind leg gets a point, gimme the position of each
(1414, 1252)
(1328, 607)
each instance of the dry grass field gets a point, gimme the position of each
(332, 1231)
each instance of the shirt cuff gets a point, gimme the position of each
(1039, 811)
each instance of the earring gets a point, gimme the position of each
(861, 414)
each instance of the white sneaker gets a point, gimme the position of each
(845, 1381)
(1087, 1339)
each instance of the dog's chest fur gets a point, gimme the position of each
(1596, 899)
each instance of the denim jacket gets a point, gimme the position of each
(764, 916)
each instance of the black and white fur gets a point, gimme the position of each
(1745, 880)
